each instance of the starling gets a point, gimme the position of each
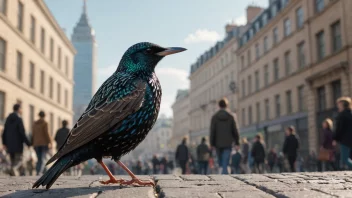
(118, 117)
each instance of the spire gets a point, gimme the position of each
(84, 6)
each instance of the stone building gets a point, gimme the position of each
(294, 63)
(36, 64)
(181, 121)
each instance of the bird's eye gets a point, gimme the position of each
(148, 51)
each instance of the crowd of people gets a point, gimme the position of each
(253, 157)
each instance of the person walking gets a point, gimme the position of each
(156, 165)
(290, 147)
(343, 131)
(182, 155)
(258, 154)
(245, 155)
(203, 155)
(61, 135)
(326, 153)
(223, 134)
(272, 159)
(13, 138)
(236, 161)
(41, 141)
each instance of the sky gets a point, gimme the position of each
(196, 25)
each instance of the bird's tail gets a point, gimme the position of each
(55, 171)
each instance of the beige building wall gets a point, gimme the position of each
(330, 73)
(33, 88)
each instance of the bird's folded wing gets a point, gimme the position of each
(104, 116)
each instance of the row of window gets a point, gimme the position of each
(33, 36)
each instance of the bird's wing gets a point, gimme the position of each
(104, 112)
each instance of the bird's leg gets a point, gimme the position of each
(134, 179)
(112, 179)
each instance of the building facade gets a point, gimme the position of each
(36, 64)
(85, 67)
(294, 63)
(213, 77)
(181, 120)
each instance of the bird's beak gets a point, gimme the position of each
(171, 50)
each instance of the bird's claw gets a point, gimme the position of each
(112, 181)
(138, 182)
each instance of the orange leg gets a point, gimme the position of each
(112, 179)
(134, 179)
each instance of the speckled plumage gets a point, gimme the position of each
(119, 116)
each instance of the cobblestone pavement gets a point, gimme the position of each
(328, 184)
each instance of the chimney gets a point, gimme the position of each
(252, 12)
(230, 27)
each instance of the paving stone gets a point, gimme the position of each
(194, 177)
(167, 177)
(245, 194)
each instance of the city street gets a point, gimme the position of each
(327, 184)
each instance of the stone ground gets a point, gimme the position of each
(328, 184)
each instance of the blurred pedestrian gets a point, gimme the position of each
(203, 155)
(223, 134)
(245, 155)
(61, 135)
(272, 159)
(182, 155)
(156, 165)
(236, 161)
(258, 154)
(164, 165)
(290, 147)
(41, 141)
(281, 162)
(13, 138)
(343, 131)
(326, 153)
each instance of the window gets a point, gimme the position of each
(276, 69)
(52, 49)
(58, 93)
(320, 45)
(265, 19)
(265, 44)
(51, 87)
(256, 76)
(243, 117)
(301, 98)
(336, 36)
(283, 3)
(267, 109)
(266, 75)
(66, 66)
(3, 6)
(58, 122)
(257, 52)
(321, 98)
(288, 102)
(258, 111)
(336, 90)
(301, 55)
(299, 18)
(20, 16)
(19, 65)
(242, 62)
(66, 98)
(31, 75)
(243, 89)
(42, 81)
(2, 106)
(59, 57)
(287, 63)
(42, 40)
(249, 57)
(3, 50)
(319, 5)
(33, 26)
(249, 84)
(273, 10)
(287, 27)
(31, 117)
(277, 105)
(250, 115)
(275, 36)
(51, 123)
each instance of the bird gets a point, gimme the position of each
(118, 117)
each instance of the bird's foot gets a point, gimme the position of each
(138, 182)
(112, 181)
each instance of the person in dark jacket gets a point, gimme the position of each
(156, 165)
(236, 161)
(327, 145)
(13, 138)
(182, 155)
(61, 135)
(272, 159)
(203, 155)
(223, 133)
(164, 165)
(291, 146)
(343, 131)
(258, 154)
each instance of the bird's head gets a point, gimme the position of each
(143, 57)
